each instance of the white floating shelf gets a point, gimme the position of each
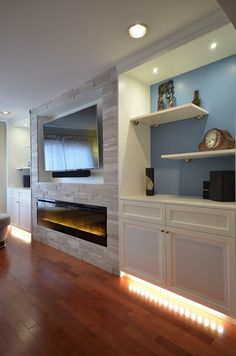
(182, 112)
(21, 168)
(203, 154)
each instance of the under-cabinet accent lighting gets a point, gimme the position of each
(137, 30)
(155, 70)
(184, 307)
(187, 313)
(213, 45)
(3, 112)
(199, 319)
(20, 234)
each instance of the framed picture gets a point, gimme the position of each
(166, 97)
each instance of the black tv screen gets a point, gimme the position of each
(73, 141)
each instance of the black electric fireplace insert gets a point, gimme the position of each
(87, 222)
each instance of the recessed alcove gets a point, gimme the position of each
(191, 66)
(96, 174)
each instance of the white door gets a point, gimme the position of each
(143, 250)
(25, 216)
(201, 266)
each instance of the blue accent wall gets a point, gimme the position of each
(217, 90)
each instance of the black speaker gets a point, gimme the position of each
(222, 185)
(26, 181)
(70, 174)
(149, 181)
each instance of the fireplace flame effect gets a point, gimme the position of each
(96, 229)
(83, 221)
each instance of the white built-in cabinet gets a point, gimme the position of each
(187, 249)
(184, 244)
(19, 207)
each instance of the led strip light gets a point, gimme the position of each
(177, 304)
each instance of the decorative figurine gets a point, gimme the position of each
(196, 99)
(166, 97)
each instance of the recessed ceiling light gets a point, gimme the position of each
(213, 45)
(155, 70)
(5, 112)
(25, 125)
(137, 30)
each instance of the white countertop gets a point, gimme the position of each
(21, 188)
(184, 200)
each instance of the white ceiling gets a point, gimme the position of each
(189, 56)
(50, 46)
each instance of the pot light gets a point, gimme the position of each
(213, 45)
(155, 70)
(137, 30)
(5, 112)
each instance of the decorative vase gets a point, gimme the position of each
(196, 99)
(149, 181)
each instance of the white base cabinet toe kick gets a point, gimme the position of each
(186, 249)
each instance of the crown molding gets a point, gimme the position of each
(206, 24)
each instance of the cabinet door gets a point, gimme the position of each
(13, 208)
(143, 250)
(25, 216)
(201, 267)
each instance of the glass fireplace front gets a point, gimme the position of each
(87, 222)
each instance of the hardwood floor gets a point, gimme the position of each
(54, 304)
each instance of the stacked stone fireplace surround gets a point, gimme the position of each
(105, 194)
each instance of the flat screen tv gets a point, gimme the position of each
(74, 141)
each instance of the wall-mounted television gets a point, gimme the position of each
(74, 141)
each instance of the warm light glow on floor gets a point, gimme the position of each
(20, 234)
(186, 308)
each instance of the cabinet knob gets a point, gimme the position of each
(162, 230)
(167, 232)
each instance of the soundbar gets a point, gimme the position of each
(71, 174)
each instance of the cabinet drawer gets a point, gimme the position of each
(148, 212)
(217, 221)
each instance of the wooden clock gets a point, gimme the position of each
(216, 139)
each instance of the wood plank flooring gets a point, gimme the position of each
(53, 304)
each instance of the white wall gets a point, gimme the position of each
(3, 174)
(18, 142)
(134, 141)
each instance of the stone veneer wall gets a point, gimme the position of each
(95, 194)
